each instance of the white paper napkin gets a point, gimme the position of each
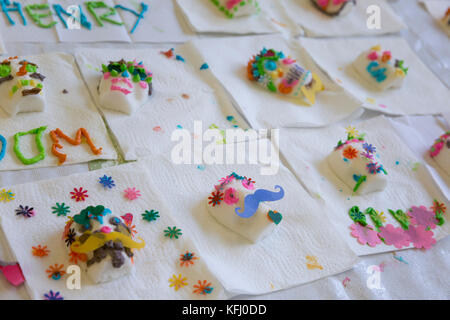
(109, 32)
(204, 17)
(437, 9)
(317, 24)
(30, 32)
(154, 264)
(277, 262)
(161, 23)
(419, 133)
(409, 183)
(335, 57)
(2, 46)
(68, 112)
(182, 93)
(228, 60)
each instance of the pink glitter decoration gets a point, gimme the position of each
(132, 193)
(420, 237)
(231, 196)
(123, 90)
(232, 3)
(423, 217)
(394, 236)
(365, 235)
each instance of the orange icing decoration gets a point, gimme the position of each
(23, 69)
(55, 134)
(249, 69)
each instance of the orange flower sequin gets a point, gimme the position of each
(40, 251)
(56, 271)
(350, 153)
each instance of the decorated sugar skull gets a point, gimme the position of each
(334, 7)
(102, 243)
(237, 204)
(379, 69)
(440, 151)
(125, 86)
(355, 162)
(21, 86)
(237, 8)
(277, 73)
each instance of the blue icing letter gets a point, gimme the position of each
(251, 201)
(138, 15)
(3, 151)
(378, 74)
(77, 17)
(17, 7)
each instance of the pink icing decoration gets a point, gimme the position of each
(420, 237)
(322, 3)
(105, 229)
(232, 3)
(423, 217)
(394, 236)
(13, 274)
(338, 2)
(365, 235)
(288, 61)
(293, 84)
(125, 80)
(372, 56)
(248, 185)
(106, 75)
(123, 90)
(231, 196)
(348, 142)
(143, 84)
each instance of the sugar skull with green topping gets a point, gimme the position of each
(125, 86)
(21, 86)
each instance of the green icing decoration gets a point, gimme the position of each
(36, 17)
(92, 5)
(30, 68)
(38, 132)
(401, 217)
(5, 70)
(357, 216)
(360, 181)
(375, 217)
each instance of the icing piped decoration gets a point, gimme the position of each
(379, 69)
(4, 144)
(55, 134)
(97, 240)
(125, 86)
(280, 74)
(334, 7)
(40, 147)
(139, 16)
(21, 86)
(79, 16)
(239, 206)
(252, 201)
(111, 11)
(37, 17)
(17, 8)
(237, 8)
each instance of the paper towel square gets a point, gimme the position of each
(109, 32)
(275, 263)
(317, 24)
(69, 112)
(30, 32)
(419, 133)
(228, 58)
(154, 264)
(161, 23)
(2, 46)
(204, 17)
(182, 94)
(437, 9)
(335, 57)
(409, 183)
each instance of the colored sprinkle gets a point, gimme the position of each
(204, 66)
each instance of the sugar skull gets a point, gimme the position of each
(102, 243)
(278, 73)
(124, 86)
(440, 151)
(238, 205)
(378, 69)
(21, 86)
(334, 7)
(237, 8)
(355, 163)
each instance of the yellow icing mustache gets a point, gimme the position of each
(97, 240)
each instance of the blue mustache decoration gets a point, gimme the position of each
(251, 201)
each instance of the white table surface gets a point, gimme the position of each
(409, 274)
